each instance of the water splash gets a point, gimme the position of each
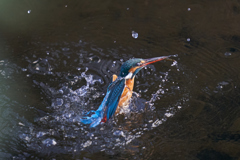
(60, 126)
(110, 137)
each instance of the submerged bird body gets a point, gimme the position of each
(119, 91)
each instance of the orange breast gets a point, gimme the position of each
(127, 93)
(128, 87)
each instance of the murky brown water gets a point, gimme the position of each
(57, 59)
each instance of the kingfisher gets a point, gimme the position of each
(119, 91)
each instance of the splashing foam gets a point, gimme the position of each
(68, 107)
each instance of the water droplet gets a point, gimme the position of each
(34, 62)
(174, 63)
(40, 134)
(65, 49)
(156, 123)
(127, 8)
(189, 9)
(21, 124)
(65, 5)
(114, 41)
(119, 133)
(60, 91)
(227, 54)
(29, 11)
(134, 34)
(168, 114)
(49, 142)
(86, 144)
(188, 39)
(59, 102)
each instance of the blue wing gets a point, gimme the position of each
(116, 90)
(108, 105)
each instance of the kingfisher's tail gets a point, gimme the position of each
(108, 106)
(94, 120)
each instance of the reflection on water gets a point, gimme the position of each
(57, 59)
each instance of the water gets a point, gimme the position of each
(57, 60)
(134, 34)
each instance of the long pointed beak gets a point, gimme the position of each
(156, 59)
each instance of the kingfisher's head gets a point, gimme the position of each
(132, 66)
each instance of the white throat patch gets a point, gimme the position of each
(129, 76)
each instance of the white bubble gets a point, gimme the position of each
(188, 39)
(29, 11)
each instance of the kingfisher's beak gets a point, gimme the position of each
(153, 60)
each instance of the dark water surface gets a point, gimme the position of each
(57, 59)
